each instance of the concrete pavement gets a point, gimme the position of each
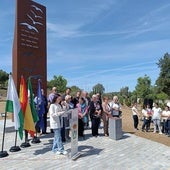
(101, 153)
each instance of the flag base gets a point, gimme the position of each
(15, 149)
(3, 154)
(35, 140)
(25, 145)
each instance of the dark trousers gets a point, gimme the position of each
(136, 121)
(63, 130)
(149, 122)
(145, 124)
(44, 130)
(167, 127)
(163, 124)
(95, 126)
(37, 128)
(40, 124)
(80, 127)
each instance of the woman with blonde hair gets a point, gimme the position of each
(115, 107)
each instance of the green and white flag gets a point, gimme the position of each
(13, 106)
(31, 101)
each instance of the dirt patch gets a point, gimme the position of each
(2, 110)
(2, 106)
(127, 125)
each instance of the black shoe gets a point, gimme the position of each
(63, 140)
(44, 133)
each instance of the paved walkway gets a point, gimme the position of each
(102, 153)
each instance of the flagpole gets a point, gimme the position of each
(23, 101)
(36, 138)
(15, 148)
(26, 143)
(2, 152)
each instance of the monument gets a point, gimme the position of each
(115, 128)
(29, 46)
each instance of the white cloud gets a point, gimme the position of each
(58, 30)
(74, 20)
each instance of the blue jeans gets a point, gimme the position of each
(57, 142)
(157, 122)
(145, 124)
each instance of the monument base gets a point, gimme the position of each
(115, 128)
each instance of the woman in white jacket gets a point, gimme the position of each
(56, 113)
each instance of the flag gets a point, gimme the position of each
(31, 101)
(28, 121)
(23, 95)
(13, 106)
(25, 105)
(40, 105)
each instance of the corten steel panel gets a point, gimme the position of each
(29, 45)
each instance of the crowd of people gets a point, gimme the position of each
(160, 118)
(91, 111)
(94, 110)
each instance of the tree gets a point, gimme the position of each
(98, 88)
(143, 87)
(162, 96)
(3, 78)
(60, 82)
(74, 89)
(124, 91)
(163, 81)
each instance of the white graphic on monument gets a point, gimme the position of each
(30, 27)
(35, 15)
(37, 9)
(34, 22)
(28, 34)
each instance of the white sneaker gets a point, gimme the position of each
(160, 133)
(64, 152)
(58, 153)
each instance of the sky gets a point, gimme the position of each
(111, 42)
